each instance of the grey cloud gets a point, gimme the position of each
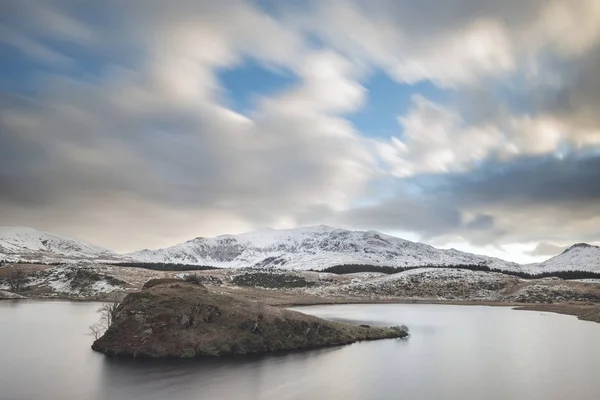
(576, 97)
(121, 155)
(528, 200)
(547, 249)
(541, 180)
(480, 222)
(428, 217)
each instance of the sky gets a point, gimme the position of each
(471, 124)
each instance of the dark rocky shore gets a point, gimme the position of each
(171, 318)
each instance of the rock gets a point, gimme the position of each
(186, 320)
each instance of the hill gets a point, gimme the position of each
(578, 257)
(171, 318)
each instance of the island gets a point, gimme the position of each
(175, 318)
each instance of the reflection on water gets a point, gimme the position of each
(454, 353)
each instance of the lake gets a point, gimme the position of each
(454, 352)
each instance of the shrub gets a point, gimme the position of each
(188, 353)
(270, 280)
(193, 279)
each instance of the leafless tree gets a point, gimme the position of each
(16, 279)
(259, 309)
(97, 330)
(107, 315)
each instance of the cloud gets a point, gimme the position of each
(531, 199)
(547, 249)
(462, 42)
(524, 73)
(156, 146)
(33, 48)
(144, 144)
(435, 139)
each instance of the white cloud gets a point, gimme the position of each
(329, 87)
(435, 139)
(454, 42)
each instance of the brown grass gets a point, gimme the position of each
(178, 319)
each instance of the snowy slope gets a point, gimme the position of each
(579, 257)
(427, 283)
(27, 244)
(310, 248)
(316, 247)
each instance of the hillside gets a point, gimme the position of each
(579, 257)
(27, 244)
(316, 247)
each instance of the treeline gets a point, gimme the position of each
(575, 274)
(166, 266)
(28, 262)
(354, 268)
(154, 266)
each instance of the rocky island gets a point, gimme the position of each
(175, 318)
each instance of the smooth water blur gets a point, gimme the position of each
(454, 352)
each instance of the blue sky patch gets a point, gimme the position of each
(388, 99)
(245, 83)
(17, 72)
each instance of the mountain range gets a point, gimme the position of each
(316, 248)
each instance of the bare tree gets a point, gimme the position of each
(259, 309)
(16, 279)
(107, 316)
(97, 330)
(107, 313)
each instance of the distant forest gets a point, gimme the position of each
(166, 266)
(354, 268)
(154, 266)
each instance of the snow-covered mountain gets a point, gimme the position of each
(579, 257)
(316, 247)
(311, 248)
(27, 244)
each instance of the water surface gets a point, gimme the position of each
(454, 352)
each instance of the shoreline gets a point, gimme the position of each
(583, 311)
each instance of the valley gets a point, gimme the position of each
(317, 265)
(101, 282)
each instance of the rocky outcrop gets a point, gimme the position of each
(182, 319)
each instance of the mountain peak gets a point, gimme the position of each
(19, 243)
(579, 246)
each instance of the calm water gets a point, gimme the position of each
(454, 353)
